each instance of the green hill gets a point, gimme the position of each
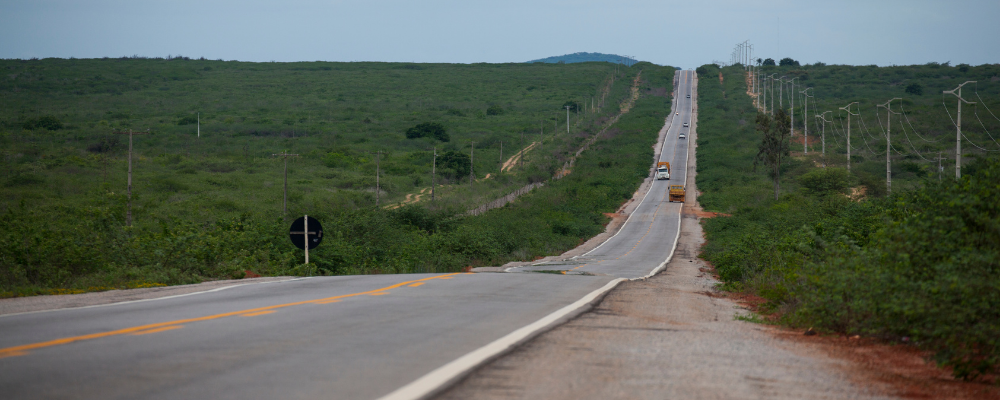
(584, 57)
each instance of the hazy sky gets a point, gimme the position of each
(678, 33)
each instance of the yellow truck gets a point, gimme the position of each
(662, 170)
(676, 193)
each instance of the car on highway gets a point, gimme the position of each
(682, 136)
(689, 96)
(678, 113)
(685, 124)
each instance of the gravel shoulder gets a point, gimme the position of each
(669, 336)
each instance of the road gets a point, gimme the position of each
(348, 337)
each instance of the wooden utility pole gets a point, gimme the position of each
(284, 199)
(378, 158)
(128, 209)
(433, 172)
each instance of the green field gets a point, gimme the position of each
(210, 207)
(918, 266)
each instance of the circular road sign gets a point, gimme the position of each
(298, 234)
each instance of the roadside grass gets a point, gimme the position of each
(920, 266)
(209, 207)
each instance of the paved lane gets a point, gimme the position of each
(651, 231)
(351, 337)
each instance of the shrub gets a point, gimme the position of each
(494, 110)
(45, 122)
(824, 181)
(428, 129)
(188, 120)
(915, 89)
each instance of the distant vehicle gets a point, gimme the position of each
(689, 96)
(662, 170)
(685, 124)
(678, 113)
(676, 193)
(682, 136)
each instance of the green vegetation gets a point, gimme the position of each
(920, 266)
(210, 207)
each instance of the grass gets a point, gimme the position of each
(920, 264)
(210, 207)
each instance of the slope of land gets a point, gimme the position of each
(581, 57)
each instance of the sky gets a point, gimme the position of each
(683, 34)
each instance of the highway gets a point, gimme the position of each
(345, 337)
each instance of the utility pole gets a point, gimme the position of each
(128, 210)
(958, 134)
(939, 166)
(472, 163)
(199, 124)
(823, 117)
(848, 109)
(805, 122)
(888, 138)
(378, 159)
(567, 119)
(433, 172)
(284, 199)
(791, 95)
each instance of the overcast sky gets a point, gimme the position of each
(679, 33)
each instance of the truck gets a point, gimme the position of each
(676, 193)
(662, 170)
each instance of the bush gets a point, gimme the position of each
(823, 181)
(45, 122)
(915, 89)
(494, 110)
(188, 120)
(428, 129)
(573, 106)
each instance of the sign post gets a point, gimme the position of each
(306, 233)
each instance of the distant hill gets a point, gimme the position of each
(581, 57)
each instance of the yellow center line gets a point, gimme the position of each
(151, 328)
(165, 328)
(258, 313)
(648, 229)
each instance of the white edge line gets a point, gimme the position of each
(145, 300)
(437, 378)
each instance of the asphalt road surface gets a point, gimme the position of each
(348, 337)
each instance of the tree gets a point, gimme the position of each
(701, 70)
(915, 88)
(45, 122)
(788, 62)
(774, 145)
(459, 162)
(494, 110)
(768, 62)
(573, 106)
(428, 129)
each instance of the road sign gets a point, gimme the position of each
(299, 234)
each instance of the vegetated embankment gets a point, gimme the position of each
(920, 267)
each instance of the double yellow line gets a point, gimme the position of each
(170, 325)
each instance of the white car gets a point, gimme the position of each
(678, 113)
(685, 124)
(689, 96)
(682, 136)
